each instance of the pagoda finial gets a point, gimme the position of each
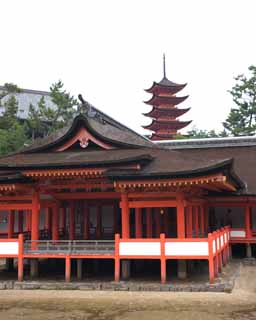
(164, 65)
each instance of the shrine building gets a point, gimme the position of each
(98, 191)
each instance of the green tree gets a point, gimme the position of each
(43, 120)
(66, 106)
(196, 133)
(242, 118)
(12, 132)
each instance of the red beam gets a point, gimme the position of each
(86, 195)
(152, 204)
(15, 206)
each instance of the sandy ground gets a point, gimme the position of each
(98, 305)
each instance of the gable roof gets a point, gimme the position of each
(99, 125)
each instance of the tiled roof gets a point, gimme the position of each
(26, 97)
(241, 149)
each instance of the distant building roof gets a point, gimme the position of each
(209, 142)
(26, 97)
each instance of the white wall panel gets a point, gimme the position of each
(139, 249)
(9, 248)
(186, 249)
(237, 234)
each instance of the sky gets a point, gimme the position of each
(111, 50)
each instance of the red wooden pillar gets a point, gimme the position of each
(11, 223)
(180, 216)
(35, 218)
(196, 221)
(72, 220)
(55, 222)
(158, 222)
(86, 220)
(67, 268)
(47, 220)
(190, 222)
(98, 222)
(20, 221)
(166, 222)
(138, 223)
(125, 216)
(202, 223)
(149, 222)
(28, 220)
(206, 218)
(248, 222)
(62, 213)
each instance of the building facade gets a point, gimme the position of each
(96, 190)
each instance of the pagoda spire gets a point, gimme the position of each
(164, 113)
(164, 67)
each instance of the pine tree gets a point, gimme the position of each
(242, 118)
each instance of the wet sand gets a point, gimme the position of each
(99, 305)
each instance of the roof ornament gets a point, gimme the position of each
(89, 110)
(164, 67)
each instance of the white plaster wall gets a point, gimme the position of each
(9, 248)
(140, 248)
(186, 248)
(237, 233)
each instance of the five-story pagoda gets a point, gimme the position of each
(165, 112)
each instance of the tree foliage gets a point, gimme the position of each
(42, 119)
(196, 133)
(242, 118)
(12, 132)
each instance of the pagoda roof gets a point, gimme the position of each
(166, 112)
(165, 86)
(165, 100)
(167, 125)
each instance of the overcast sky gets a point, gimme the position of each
(110, 51)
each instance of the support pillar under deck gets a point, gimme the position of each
(248, 250)
(33, 268)
(126, 269)
(79, 269)
(182, 269)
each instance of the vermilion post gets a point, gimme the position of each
(67, 269)
(86, 220)
(35, 219)
(158, 222)
(55, 223)
(180, 217)
(117, 258)
(196, 221)
(47, 224)
(11, 223)
(206, 217)
(72, 221)
(162, 258)
(99, 222)
(125, 216)
(190, 222)
(166, 221)
(202, 222)
(138, 223)
(149, 222)
(62, 213)
(210, 258)
(28, 220)
(247, 222)
(20, 221)
(20, 258)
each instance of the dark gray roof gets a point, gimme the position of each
(208, 142)
(26, 97)
(241, 149)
